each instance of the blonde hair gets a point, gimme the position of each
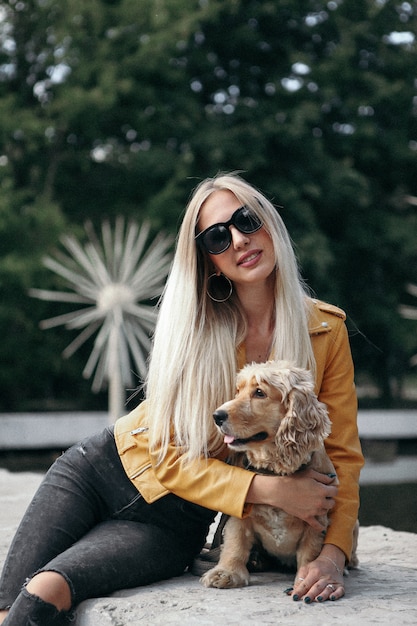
(193, 364)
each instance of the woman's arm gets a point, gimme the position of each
(322, 579)
(337, 391)
(306, 494)
(212, 482)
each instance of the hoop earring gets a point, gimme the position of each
(223, 287)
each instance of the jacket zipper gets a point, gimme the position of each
(139, 472)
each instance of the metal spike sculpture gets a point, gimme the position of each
(117, 279)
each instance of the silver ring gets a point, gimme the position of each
(299, 578)
(332, 587)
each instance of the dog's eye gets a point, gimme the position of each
(258, 393)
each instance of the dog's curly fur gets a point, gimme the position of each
(276, 425)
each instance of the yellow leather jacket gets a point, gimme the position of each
(214, 484)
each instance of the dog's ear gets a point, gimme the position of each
(305, 424)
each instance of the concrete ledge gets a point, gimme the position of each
(381, 591)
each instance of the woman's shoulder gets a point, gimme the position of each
(324, 316)
(326, 307)
(133, 421)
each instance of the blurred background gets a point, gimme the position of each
(120, 107)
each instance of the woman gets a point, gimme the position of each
(131, 507)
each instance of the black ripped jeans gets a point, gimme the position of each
(88, 522)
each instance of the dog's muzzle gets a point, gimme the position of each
(220, 417)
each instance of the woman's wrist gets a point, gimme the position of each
(335, 556)
(261, 489)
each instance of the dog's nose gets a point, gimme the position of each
(220, 416)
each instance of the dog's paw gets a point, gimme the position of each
(225, 579)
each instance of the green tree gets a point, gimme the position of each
(120, 107)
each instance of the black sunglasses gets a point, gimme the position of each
(217, 238)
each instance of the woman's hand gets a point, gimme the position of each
(322, 579)
(306, 494)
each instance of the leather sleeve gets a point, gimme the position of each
(335, 387)
(211, 483)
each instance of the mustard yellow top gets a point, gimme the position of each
(214, 484)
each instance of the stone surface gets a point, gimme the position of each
(381, 591)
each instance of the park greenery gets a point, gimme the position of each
(120, 107)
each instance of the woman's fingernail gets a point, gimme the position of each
(307, 600)
(295, 597)
(331, 475)
(324, 533)
(319, 598)
(288, 591)
(332, 598)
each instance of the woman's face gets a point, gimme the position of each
(250, 258)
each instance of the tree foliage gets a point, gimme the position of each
(119, 107)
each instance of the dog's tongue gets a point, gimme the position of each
(228, 439)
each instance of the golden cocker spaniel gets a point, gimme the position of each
(274, 425)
